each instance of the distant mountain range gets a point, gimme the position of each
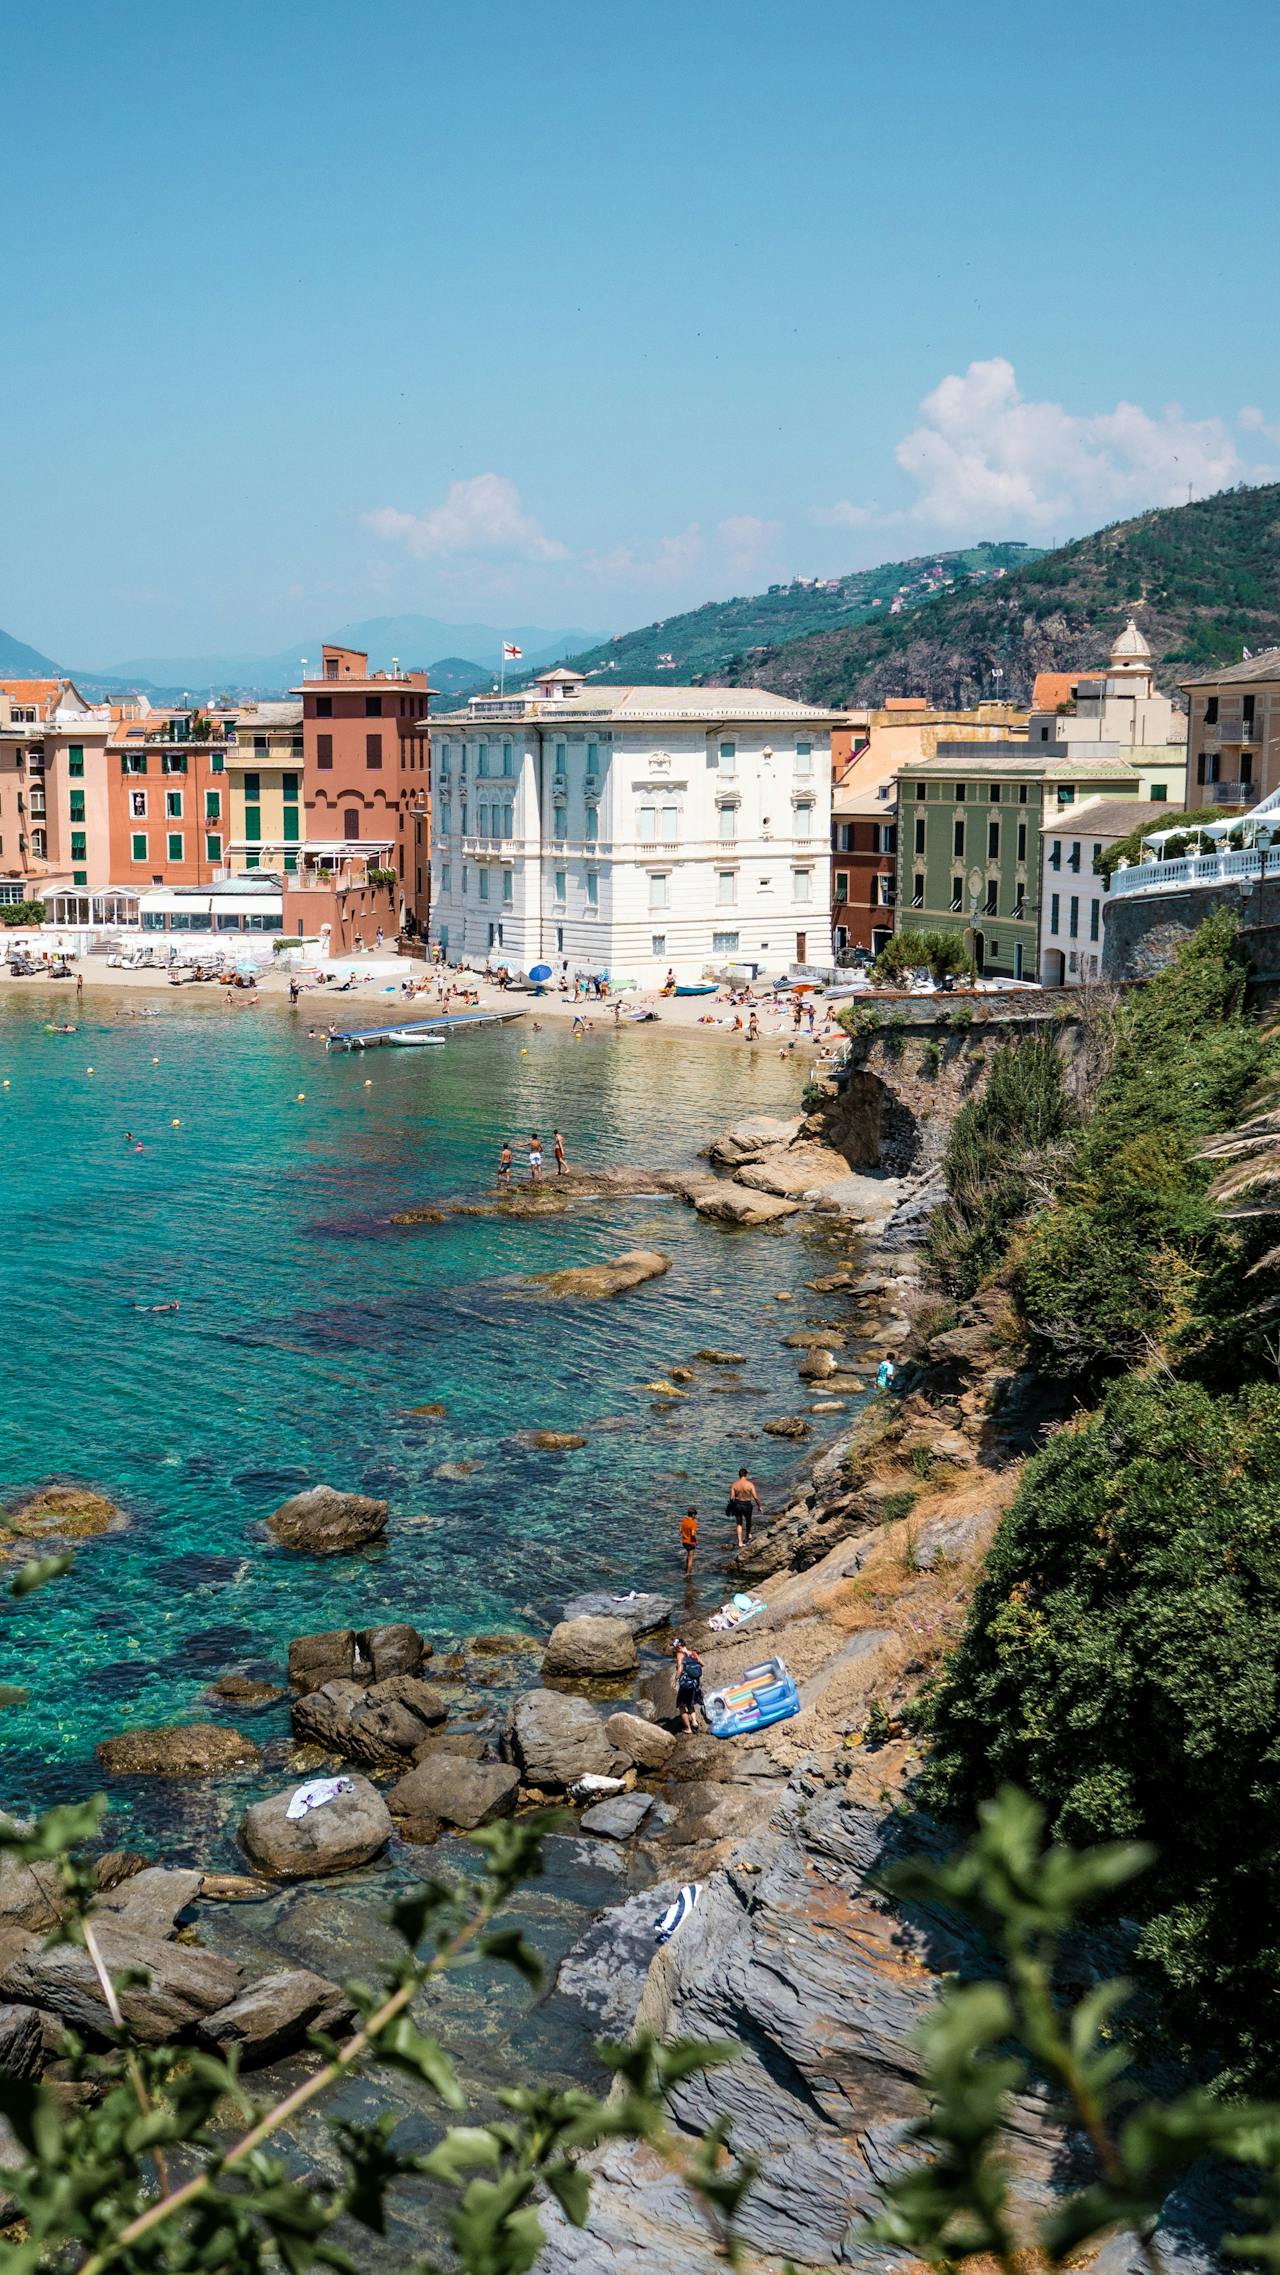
(1203, 581)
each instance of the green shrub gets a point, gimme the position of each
(1121, 1659)
(22, 912)
(907, 951)
(931, 1057)
(1130, 848)
(895, 1505)
(996, 1143)
(921, 1460)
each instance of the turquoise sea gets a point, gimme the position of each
(309, 1326)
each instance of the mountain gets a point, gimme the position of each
(1203, 580)
(707, 642)
(18, 661)
(456, 679)
(411, 639)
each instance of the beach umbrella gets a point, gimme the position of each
(540, 972)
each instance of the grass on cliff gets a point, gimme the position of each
(1001, 1150)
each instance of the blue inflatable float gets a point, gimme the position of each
(765, 1694)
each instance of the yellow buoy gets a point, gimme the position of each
(155, 1062)
(88, 1070)
(368, 1082)
(524, 1054)
(301, 1095)
(6, 1082)
(175, 1124)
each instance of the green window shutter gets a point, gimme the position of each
(291, 864)
(253, 787)
(289, 786)
(251, 861)
(81, 877)
(79, 845)
(213, 848)
(175, 845)
(291, 830)
(253, 823)
(139, 845)
(77, 805)
(215, 762)
(75, 758)
(213, 805)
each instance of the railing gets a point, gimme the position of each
(1237, 729)
(1194, 869)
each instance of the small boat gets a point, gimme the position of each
(763, 1695)
(411, 1035)
(705, 987)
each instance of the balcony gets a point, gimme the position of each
(1238, 729)
(1230, 793)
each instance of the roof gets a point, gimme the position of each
(31, 690)
(1110, 817)
(1025, 762)
(675, 704)
(1130, 645)
(269, 715)
(1054, 687)
(1266, 665)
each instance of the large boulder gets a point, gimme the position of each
(455, 1790)
(737, 1204)
(617, 1818)
(176, 1987)
(747, 1140)
(193, 1749)
(797, 1171)
(554, 1740)
(397, 1649)
(324, 1522)
(274, 2015)
(640, 1612)
(382, 1724)
(329, 1657)
(342, 1834)
(589, 1283)
(150, 1902)
(345, 1654)
(591, 1646)
(646, 1744)
(21, 2042)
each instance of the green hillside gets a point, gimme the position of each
(706, 642)
(1203, 580)
(18, 661)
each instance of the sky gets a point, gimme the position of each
(583, 315)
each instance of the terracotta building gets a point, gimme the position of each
(168, 802)
(366, 772)
(53, 796)
(1233, 750)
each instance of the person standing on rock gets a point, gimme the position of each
(689, 1700)
(562, 1166)
(744, 1500)
(535, 1158)
(689, 1540)
(504, 1163)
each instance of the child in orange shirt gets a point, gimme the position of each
(689, 1540)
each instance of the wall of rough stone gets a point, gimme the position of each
(893, 1105)
(1144, 931)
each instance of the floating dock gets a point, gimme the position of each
(368, 1038)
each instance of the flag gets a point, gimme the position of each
(1246, 655)
(511, 654)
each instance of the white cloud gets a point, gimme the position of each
(984, 457)
(673, 559)
(845, 515)
(483, 516)
(744, 541)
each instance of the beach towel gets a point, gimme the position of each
(664, 1927)
(315, 1794)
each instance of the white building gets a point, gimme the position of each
(632, 829)
(1073, 894)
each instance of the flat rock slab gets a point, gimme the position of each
(455, 1790)
(346, 1832)
(590, 1646)
(737, 1204)
(324, 1522)
(607, 1968)
(619, 1818)
(748, 1139)
(181, 1985)
(381, 1724)
(151, 1902)
(641, 1613)
(196, 1749)
(796, 1171)
(591, 1283)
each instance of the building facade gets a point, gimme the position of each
(1073, 889)
(1234, 733)
(54, 817)
(168, 804)
(633, 830)
(366, 767)
(265, 765)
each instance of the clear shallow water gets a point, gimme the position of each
(309, 1326)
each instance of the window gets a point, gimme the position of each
(1022, 793)
(921, 790)
(324, 704)
(213, 847)
(840, 889)
(993, 841)
(482, 821)
(883, 894)
(253, 823)
(484, 884)
(917, 889)
(647, 822)
(659, 888)
(844, 837)
(508, 766)
(1095, 918)
(993, 891)
(508, 888)
(1022, 841)
(957, 894)
(560, 757)
(79, 845)
(802, 884)
(657, 944)
(175, 845)
(138, 805)
(727, 888)
(962, 793)
(1055, 854)
(506, 821)
(290, 821)
(668, 819)
(562, 823)
(138, 846)
(324, 751)
(994, 798)
(593, 757)
(75, 759)
(1066, 795)
(173, 805)
(39, 844)
(1074, 857)
(466, 879)
(79, 876)
(804, 821)
(722, 944)
(1211, 711)
(1053, 913)
(1159, 791)
(373, 706)
(253, 788)
(289, 786)
(259, 746)
(728, 824)
(593, 824)
(593, 889)
(728, 758)
(373, 750)
(216, 763)
(957, 839)
(351, 826)
(482, 764)
(446, 876)
(77, 805)
(804, 758)
(213, 805)
(561, 885)
(1073, 917)
(919, 833)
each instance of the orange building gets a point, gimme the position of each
(167, 799)
(366, 771)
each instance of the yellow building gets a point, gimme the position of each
(264, 778)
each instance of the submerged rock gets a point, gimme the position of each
(787, 1426)
(196, 1749)
(714, 1358)
(62, 1512)
(344, 1833)
(245, 1690)
(589, 1283)
(589, 1646)
(617, 1818)
(737, 1204)
(555, 1441)
(324, 1522)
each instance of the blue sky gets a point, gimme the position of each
(583, 315)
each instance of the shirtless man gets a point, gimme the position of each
(744, 1501)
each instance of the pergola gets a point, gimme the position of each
(117, 905)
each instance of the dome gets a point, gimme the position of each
(1130, 647)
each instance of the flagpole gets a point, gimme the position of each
(502, 669)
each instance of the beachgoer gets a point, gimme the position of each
(689, 1540)
(886, 1375)
(744, 1500)
(504, 1163)
(535, 1158)
(128, 1137)
(689, 1701)
(617, 1014)
(294, 990)
(579, 1025)
(562, 1166)
(79, 985)
(753, 1028)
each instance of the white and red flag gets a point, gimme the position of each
(511, 654)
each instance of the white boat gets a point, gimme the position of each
(410, 1035)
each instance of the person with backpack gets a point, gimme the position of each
(689, 1701)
